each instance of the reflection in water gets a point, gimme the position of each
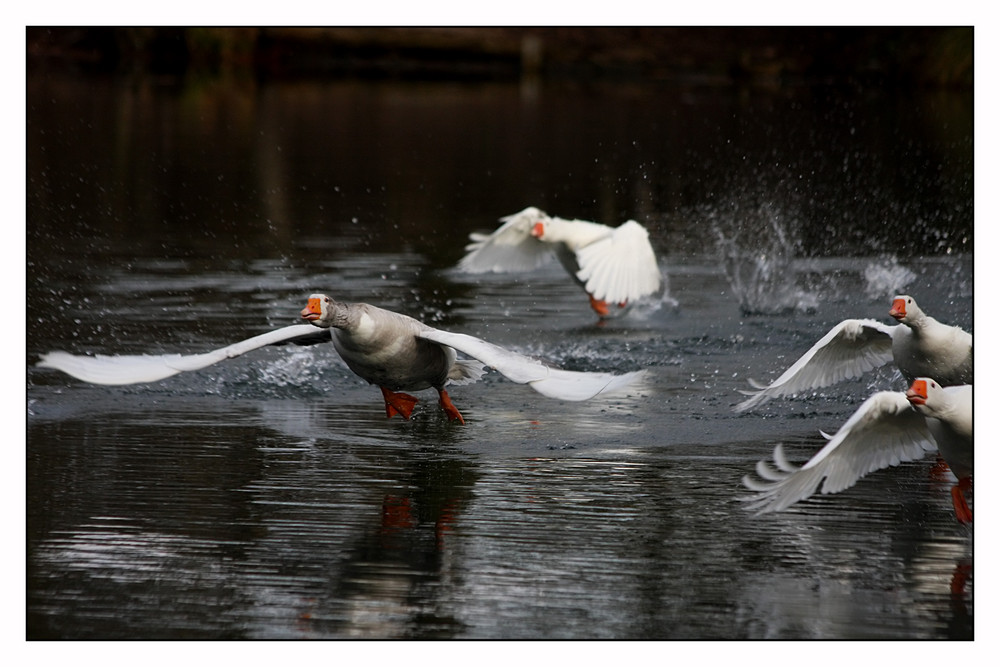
(386, 586)
(275, 485)
(837, 577)
(520, 548)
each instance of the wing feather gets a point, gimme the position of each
(883, 432)
(849, 350)
(546, 380)
(511, 247)
(620, 267)
(132, 369)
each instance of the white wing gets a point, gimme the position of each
(546, 380)
(510, 248)
(131, 369)
(884, 431)
(620, 267)
(850, 349)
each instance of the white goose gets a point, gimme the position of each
(393, 351)
(612, 264)
(919, 345)
(888, 428)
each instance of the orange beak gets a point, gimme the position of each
(312, 311)
(898, 309)
(538, 230)
(917, 393)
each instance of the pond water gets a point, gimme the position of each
(268, 497)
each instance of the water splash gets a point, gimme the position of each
(886, 279)
(295, 368)
(758, 252)
(649, 306)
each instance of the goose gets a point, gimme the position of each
(919, 345)
(612, 264)
(393, 351)
(948, 411)
(888, 428)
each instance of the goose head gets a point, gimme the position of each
(905, 309)
(530, 220)
(540, 228)
(322, 311)
(920, 391)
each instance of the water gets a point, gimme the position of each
(269, 497)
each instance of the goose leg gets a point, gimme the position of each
(449, 407)
(962, 511)
(397, 403)
(600, 307)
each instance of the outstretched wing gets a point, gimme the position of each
(510, 248)
(546, 380)
(850, 349)
(132, 369)
(883, 432)
(620, 267)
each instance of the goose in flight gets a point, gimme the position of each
(614, 265)
(919, 345)
(395, 352)
(888, 428)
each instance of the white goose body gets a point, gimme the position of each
(924, 347)
(383, 347)
(393, 351)
(612, 264)
(888, 428)
(919, 346)
(948, 412)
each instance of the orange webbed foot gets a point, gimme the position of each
(962, 511)
(449, 407)
(600, 307)
(398, 403)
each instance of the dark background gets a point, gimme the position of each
(897, 56)
(722, 104)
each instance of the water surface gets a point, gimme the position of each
(269, 497)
